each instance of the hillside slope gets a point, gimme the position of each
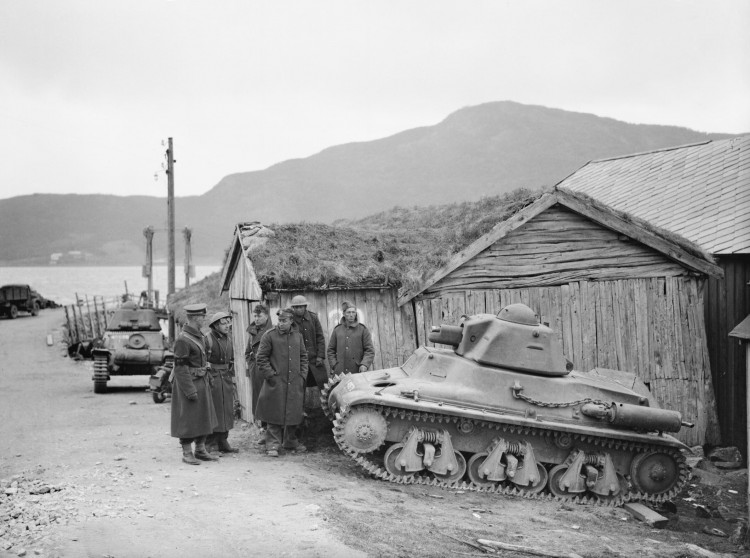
(477, 151)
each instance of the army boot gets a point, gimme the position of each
(200, 451)
(224, 446)
(187, 455)
(212, 442)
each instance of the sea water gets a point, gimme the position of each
(61, 283)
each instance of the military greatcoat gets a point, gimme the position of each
(282, 360)
(191, 418)
(315, 343)
(255, 333)
(350, 347)
(221, 358)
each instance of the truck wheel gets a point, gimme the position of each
(13, 312)
(159, 396)
(100, 386)
(35, 309)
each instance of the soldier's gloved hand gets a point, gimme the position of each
(318, 361)
(363, 368)
(192, 396)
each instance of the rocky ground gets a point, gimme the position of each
(98, 475)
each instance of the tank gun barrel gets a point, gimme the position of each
(446, 335)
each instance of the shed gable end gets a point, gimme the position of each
(554, 248)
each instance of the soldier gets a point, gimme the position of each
(193, 414)
(350, 350)
(221, 359)
(315, 342)
(282, 360)
(261, 323)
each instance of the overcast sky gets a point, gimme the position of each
(90, 88)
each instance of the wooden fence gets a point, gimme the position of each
(87, 319)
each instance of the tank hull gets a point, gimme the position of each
(498, 421)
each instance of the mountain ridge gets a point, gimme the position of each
(476, 151)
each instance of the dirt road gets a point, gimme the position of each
(98, 475)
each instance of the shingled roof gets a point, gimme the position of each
(699, 191)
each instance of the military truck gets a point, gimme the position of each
(19, 298)
(133, 344)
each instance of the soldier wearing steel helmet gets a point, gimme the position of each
(193, 414)
(308, 324)
(220, 354)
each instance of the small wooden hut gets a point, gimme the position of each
(619, 293)
(328, 265)
(701, 192)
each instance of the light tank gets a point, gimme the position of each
(133, 344)
(503, 411)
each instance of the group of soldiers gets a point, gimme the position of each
(282, 360)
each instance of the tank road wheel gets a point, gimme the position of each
(539, 485)
(391, 462)
(100, 374)
(13, 312)
(475, 463)
(364, 430)
(654, 472)
(457, 474)
(624, 489)
(555, 474)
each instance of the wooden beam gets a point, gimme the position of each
(646, 514)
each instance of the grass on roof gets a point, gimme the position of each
(392, 248)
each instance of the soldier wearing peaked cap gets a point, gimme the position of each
(193, 414)
(282, 360)
(221, 359)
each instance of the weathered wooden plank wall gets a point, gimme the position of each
(557, 247)
(727, 302)
(652, 327)
(392, 328)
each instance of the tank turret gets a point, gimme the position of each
(513, 339)
(502, 409)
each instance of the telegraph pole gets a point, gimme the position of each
(170, 232)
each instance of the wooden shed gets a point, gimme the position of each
(619, 293)
(701, 192)
(328, 265)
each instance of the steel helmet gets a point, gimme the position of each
(298, 300)
(216, 317)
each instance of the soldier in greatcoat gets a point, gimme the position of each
(221, 360)
(193, 414)
(350, 350)
(282, 359)
(261, 323)
(309, 326)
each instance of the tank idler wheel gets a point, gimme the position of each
(391, 462)
(539, 485)
(159, 396)
(475, 463)
(454, 475)
(654, 472)
(555, 474)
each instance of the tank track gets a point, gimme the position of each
(327, 387)
(511, 490)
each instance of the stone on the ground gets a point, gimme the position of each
(728, 454)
